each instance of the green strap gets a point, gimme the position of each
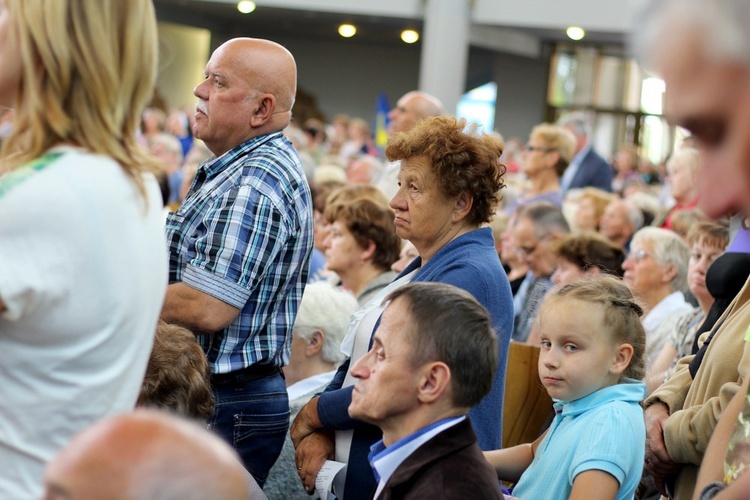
(22, 174)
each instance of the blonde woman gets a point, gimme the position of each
(82, 255)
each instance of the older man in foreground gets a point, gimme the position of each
(433, 358)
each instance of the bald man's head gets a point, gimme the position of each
(412, 108)
(145, 455)
(249, 90)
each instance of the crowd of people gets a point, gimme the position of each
(224, 302)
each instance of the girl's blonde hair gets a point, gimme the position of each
(89, 68)
(622, 314)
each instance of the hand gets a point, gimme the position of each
(306, 422)
(658, 464)
(310, 455)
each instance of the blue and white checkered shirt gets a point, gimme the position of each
(244, 235)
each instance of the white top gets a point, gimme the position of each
(306, 385)
(660, 322)
(83, 273)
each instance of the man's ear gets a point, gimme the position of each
(263, 110)
(315, 344)
(435, 380)
(622, 359)
(462, 207)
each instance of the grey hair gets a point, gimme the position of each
(722, 24)
(669, 249)
(547, 218)
(325, 308)
(577, 123)
(635, 215)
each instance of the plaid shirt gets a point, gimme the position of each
(244, 235)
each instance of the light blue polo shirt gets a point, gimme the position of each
(602, 431)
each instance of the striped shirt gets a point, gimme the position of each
(244, 235)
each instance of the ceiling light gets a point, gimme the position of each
(409, 36)
(347, 30)
(575, 33)
(246, 6)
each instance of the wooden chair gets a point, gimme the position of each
(527, 406)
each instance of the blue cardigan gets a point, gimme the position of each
(469, 262)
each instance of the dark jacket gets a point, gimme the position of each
(448, 466)
(593, 171)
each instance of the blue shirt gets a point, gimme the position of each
(244, 235)
(602, 431)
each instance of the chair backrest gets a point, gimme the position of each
(527, 407)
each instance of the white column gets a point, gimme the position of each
(445, 50)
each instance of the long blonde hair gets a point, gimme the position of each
(89, 68)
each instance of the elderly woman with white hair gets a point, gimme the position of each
(656, 273)
(319, 328)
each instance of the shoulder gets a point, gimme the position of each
(463, 473)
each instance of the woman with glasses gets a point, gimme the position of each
(657, 272)
(544, 160)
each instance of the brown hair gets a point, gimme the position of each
(369, 221)
(622, 314)
(461, 161)
(599, 199)
(177, 376)
(587, 250)
(712, 233)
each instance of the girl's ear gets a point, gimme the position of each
(622, 359)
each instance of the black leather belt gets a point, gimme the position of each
(252, 372)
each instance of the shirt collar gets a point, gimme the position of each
(385, 460)
(629, 390)
(217, 164)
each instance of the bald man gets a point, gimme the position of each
(240, 244)
(412, 108)
(150, 456)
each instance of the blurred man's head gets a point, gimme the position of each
(537, 227)
(412, 108)
(145, 455)
(702, 50)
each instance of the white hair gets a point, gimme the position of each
(325, 308)
(669, 249)
(722, 24)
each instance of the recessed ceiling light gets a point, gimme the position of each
(246, 6)
(347, 30)
(575, 33)
(409, 36)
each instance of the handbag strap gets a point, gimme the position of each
(24, 173)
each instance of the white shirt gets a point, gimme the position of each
(83, 273)
(306, 385)
(659, 324)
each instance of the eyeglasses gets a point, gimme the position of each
(522, 250)
(530, 149)
(640, 254)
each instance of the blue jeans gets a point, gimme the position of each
(253, 417)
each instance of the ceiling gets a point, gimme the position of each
(269, 21)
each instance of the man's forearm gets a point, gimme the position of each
(195, 310)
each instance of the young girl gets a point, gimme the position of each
(591, 364)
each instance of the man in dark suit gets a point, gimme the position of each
(587, 168)
(433, 358)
